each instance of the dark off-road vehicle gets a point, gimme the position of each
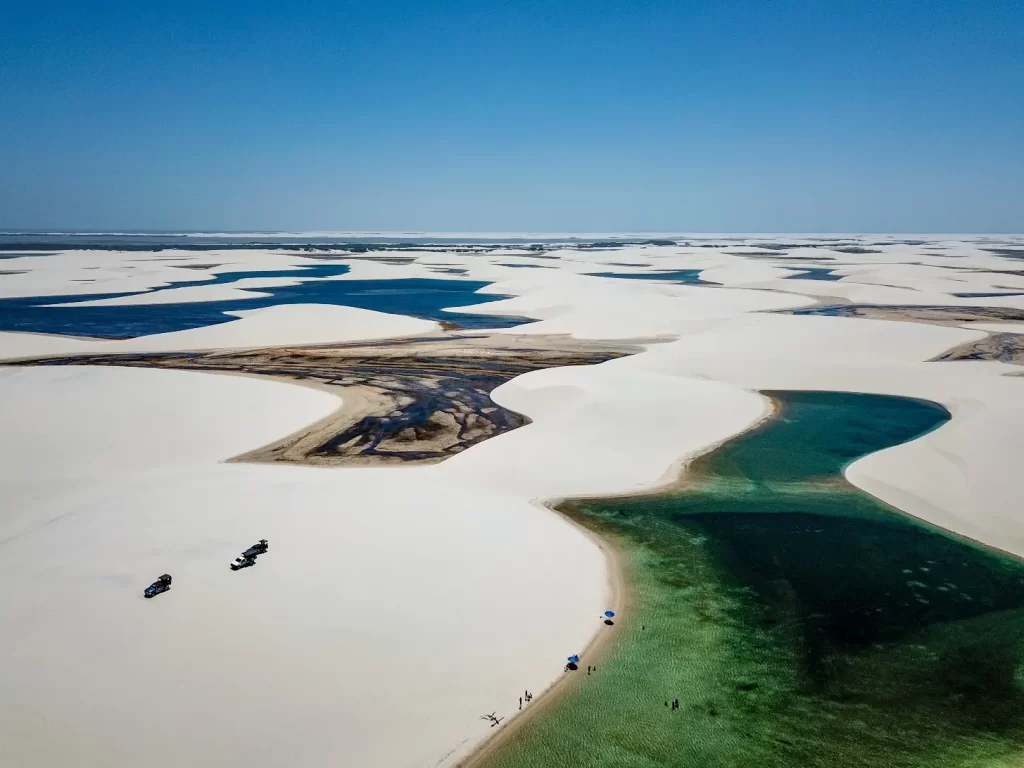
(160, 585)
(248, 557)
(256, 549)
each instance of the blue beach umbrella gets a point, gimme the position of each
(574, 659)
(609, 614)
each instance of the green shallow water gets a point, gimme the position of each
(798, 621)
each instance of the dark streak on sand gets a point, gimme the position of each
(406, 401)
(920, 314)
(1004, 347)
(1007, 253)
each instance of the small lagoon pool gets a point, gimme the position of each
(686, 276)
(817, 273)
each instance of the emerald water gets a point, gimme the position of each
(798, 621)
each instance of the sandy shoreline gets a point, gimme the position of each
(675, 478)
(591, 653)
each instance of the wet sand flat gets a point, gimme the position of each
(404, 401)
(1003, 347)
(931, 315)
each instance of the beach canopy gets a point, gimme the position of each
(574, 659)
(609, 614)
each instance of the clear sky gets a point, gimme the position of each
(540, 115)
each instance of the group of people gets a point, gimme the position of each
(527, 697)
(674, 703)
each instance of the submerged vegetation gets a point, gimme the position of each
(798, 621)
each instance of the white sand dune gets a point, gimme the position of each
(588, 438)
(394, 607)
(59, 437)
(15, 345)
(286, 324)
(609, 308)
(398, 604)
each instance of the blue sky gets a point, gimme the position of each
(768, 115)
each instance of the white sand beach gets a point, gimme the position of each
(398, 604)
